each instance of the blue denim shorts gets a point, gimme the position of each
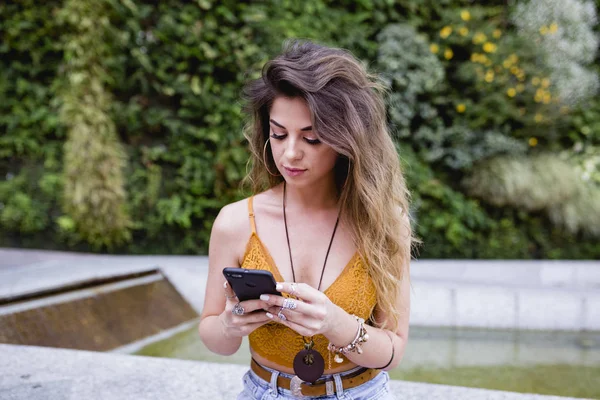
(255, 388)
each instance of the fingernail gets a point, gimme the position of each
(269, 315)
(279, 286)
(264, 297)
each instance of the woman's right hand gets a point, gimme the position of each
(234, 325)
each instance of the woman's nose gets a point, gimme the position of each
(293, 150)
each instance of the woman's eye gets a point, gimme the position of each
(312, 141)
(276, 136)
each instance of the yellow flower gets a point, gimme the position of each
(489, 76)
(553, 27)
(489, 47)
(434, 48)
(520, 87)
(460, 108)
(547, 98)
(463, 31)
(514, 70)
(445, 32)
(533, 141)
(465, 15)
(545, 82)
(479, 38)
(544, 30)
(535, 81)
(538, 118)
(448, 54)
(511, 92)
(497, 33)
(507, 63)
(475, 57)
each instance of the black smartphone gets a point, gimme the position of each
(249, 284)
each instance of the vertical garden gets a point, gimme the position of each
(121, 122)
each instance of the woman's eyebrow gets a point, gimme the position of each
(307, 128)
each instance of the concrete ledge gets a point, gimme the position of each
(459, 304)
(38, 373)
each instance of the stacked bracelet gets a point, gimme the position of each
(361, 337)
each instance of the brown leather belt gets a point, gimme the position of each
(319, 387)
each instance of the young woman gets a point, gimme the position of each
(329, 221)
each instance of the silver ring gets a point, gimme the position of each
(230, 297)
(237, 309)
(281, 315)
(289, 304)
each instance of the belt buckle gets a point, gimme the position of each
(296, 388)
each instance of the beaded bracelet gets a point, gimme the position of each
(361, 337)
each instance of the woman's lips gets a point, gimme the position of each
(294, 171)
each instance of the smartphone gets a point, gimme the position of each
(249, 284)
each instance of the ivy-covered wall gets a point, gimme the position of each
(121, 124)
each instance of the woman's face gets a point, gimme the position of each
(299, 155)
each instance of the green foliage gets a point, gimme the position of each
(418, 105)
(543, 182)
(153, 98)
(451, 225)
(94, 196)
(564, 31)
(411, 72)
(30, 132)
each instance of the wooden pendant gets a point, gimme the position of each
(309, 364)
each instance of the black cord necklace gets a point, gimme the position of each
(309, 364)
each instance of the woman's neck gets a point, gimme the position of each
(311, 198)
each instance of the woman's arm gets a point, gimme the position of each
(383, 342)
(219, 329)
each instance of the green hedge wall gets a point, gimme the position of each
(173, 71)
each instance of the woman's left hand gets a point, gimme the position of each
(310, 314)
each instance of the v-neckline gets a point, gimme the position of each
(277, 274)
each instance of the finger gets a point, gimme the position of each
(252, 318)
(286, 303)
(301, 330)
(253, 305)
(247, 329)
(252, 327)
(289, 314)
(229, 293)
(301, 290)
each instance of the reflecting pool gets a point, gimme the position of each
(557, 363)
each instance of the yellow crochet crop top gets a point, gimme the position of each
(353, 291)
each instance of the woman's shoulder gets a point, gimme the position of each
(234, 218)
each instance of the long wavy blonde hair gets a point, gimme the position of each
(348, 113)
